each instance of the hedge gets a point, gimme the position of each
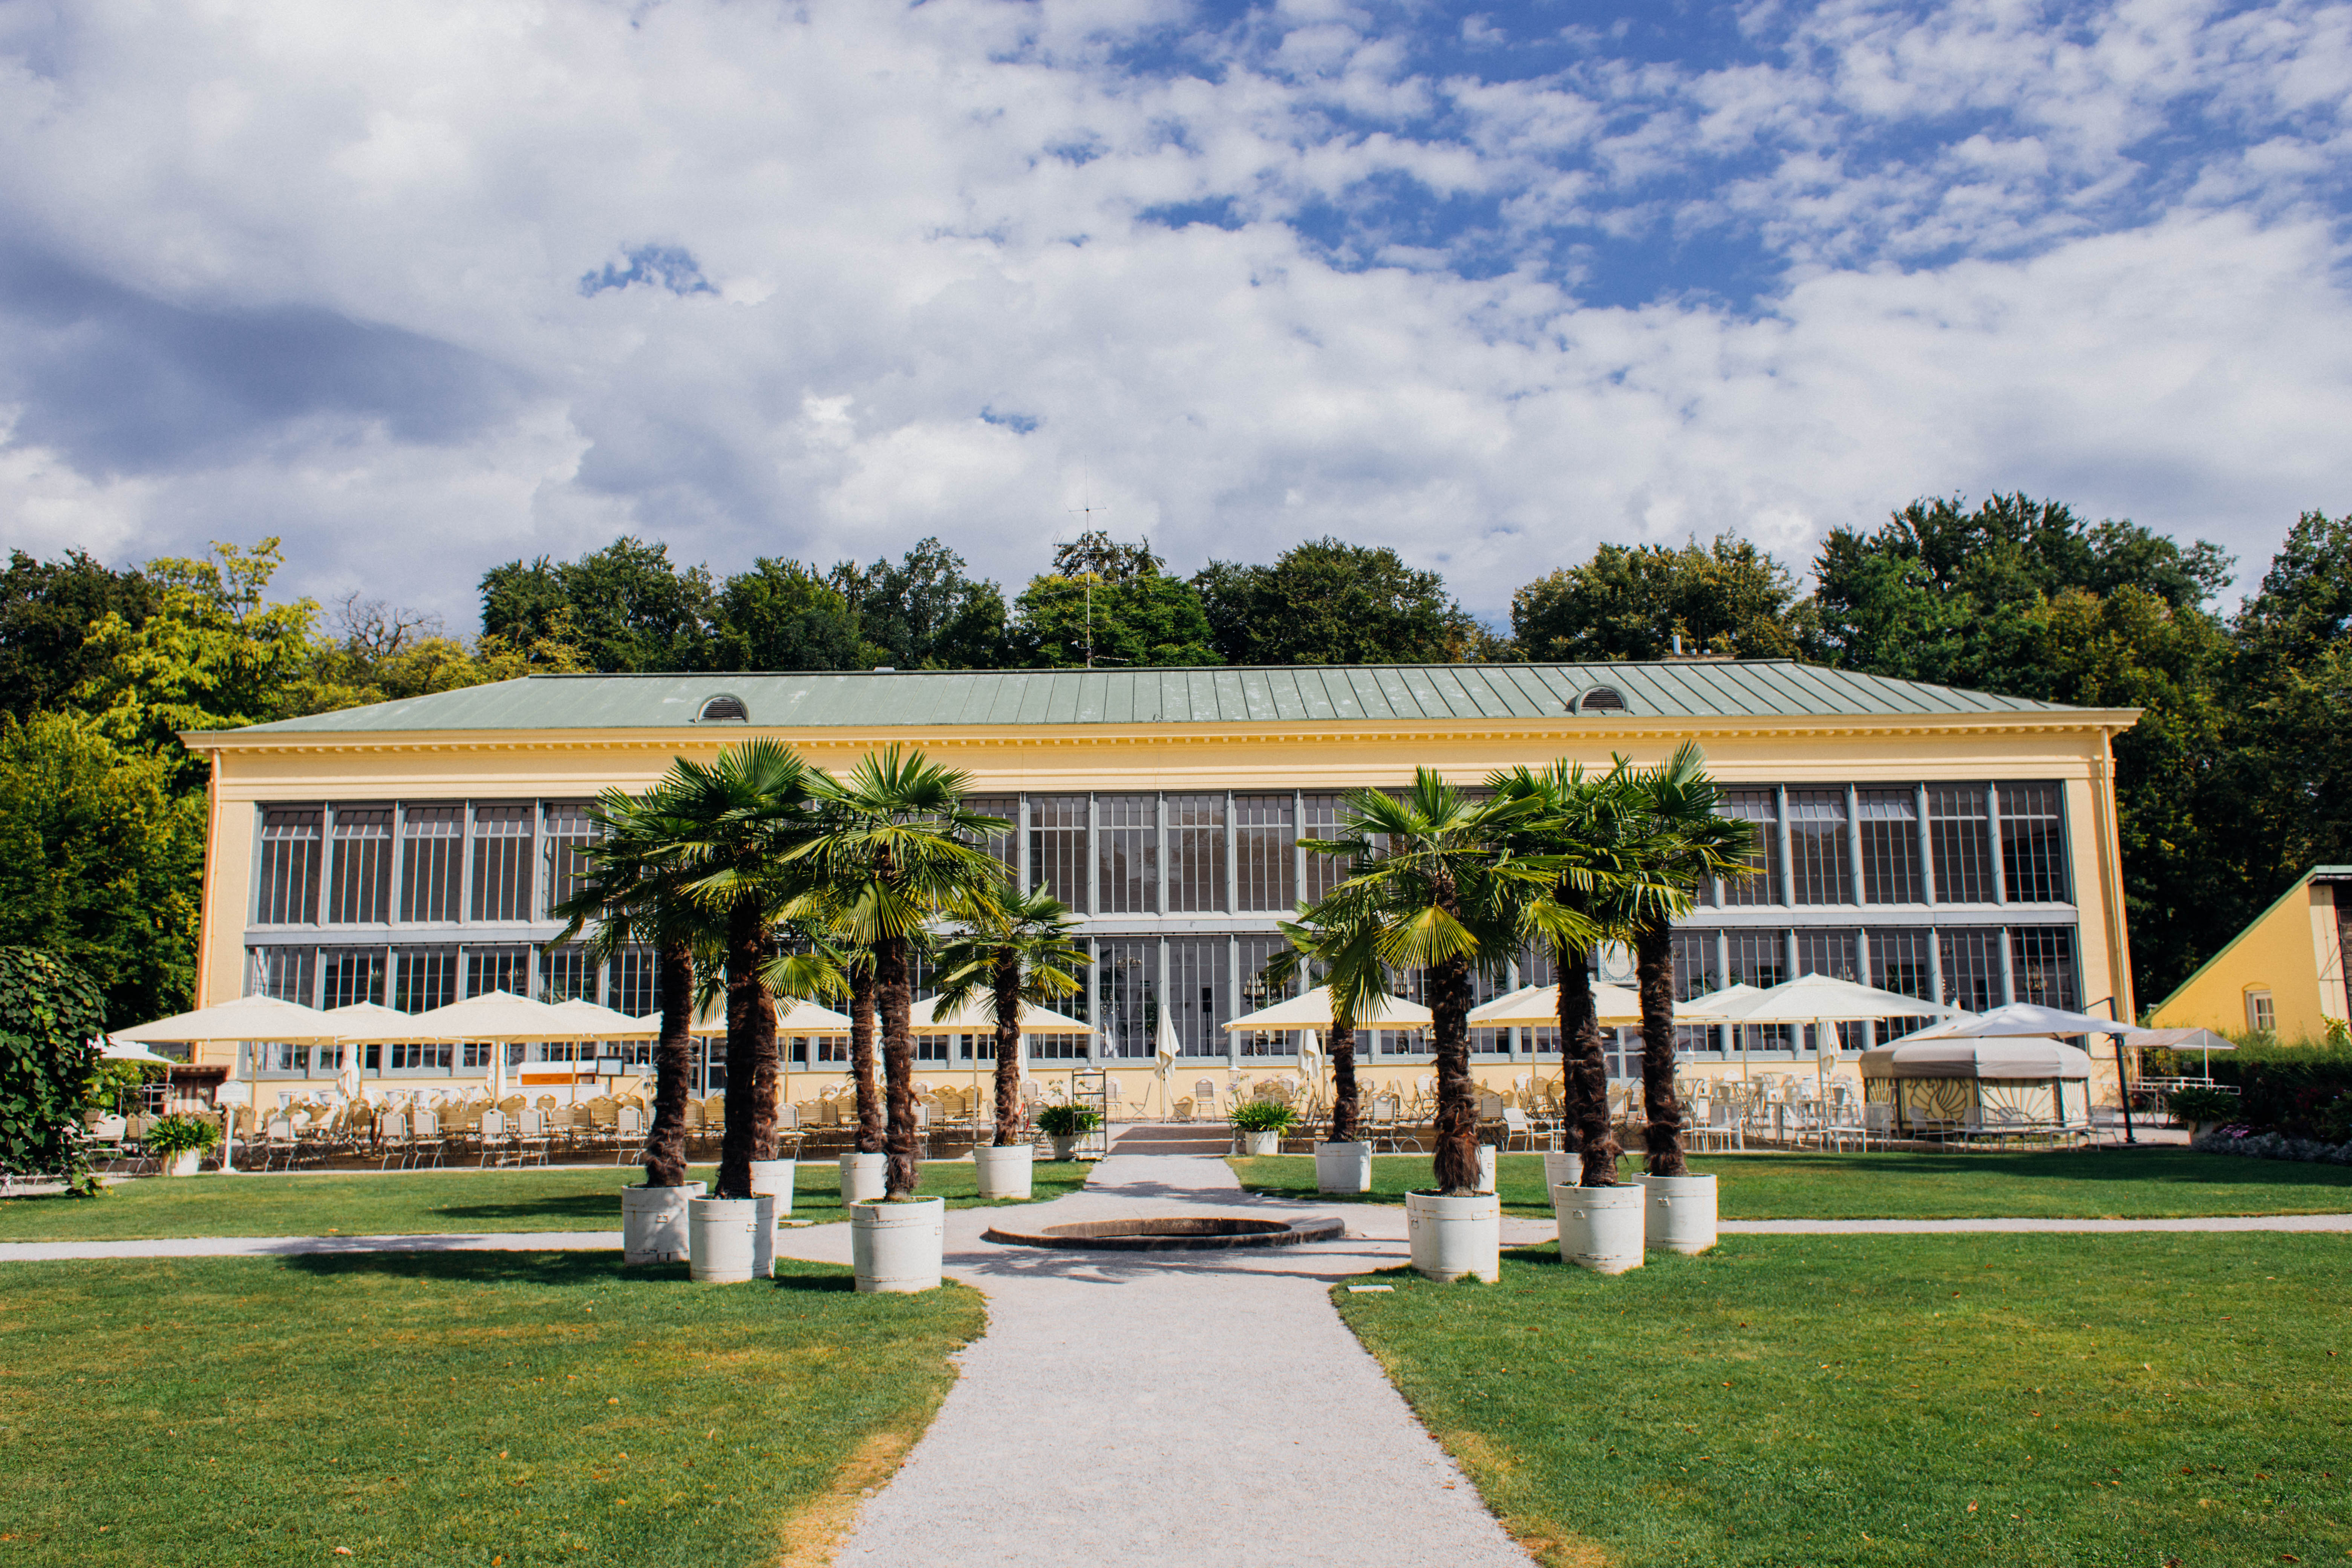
(51, 1017)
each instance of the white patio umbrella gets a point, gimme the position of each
(352, 1014)
(2204, 1041)
(1824, 1001)
(1538, 1007)
(247, 1018)
(132, 1051)
(1313, 1011)
(1166, 1047)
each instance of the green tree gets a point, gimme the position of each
(893, 851)
(924, 612)
(1314, 951)
(212, 654)
(51, 1019)
(1630, 602)
(47, 610)
(1107, 603)
(1330, 601)
(388, 654)
(625, 607)
(1436, 888)
(1018, 947)
(100, 862)
(780, 614)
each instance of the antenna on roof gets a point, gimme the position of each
(1086, 509)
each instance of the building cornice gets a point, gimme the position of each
(1568, 732)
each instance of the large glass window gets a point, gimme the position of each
(358, 877)
(1319, 818)
(501, 863)
(286, 973)
(289, 894)
(1971, 967)
(1257, 991)
(1128, 984)
(1817, 847)
(629, 984)
(432, 863)
(1830, 952)
(2034, 843)
(1962, 836)
(1889, 822)
(566, 973)
(349, 974)
(1266, 843)
(1196, 853)
(1759, 958)
(1197, 971)
(1696, 973)
(1127, 837)
(425, 978)
(1899, 963)
(2041, 964)
(1058, 847)
(506, 969)
(569, 831)
(1757, 806)
(1003, 848)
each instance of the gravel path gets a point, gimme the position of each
(1137, 1408)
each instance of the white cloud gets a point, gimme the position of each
(360, 246)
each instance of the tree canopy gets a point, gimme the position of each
(1632, 601)
(1329, 602)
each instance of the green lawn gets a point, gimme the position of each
(417, 1203)
(1899, 1399)
(500, 1409)
(2147, 1184)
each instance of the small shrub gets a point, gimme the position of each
(1263, 1116)
(172, 1135)
(2203, 1105)
(1067, 1121)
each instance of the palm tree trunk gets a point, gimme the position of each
(1345, 1099)
(673, 1064)
(750, 1052)
(1008, 1048)
(861, 1058)
(1654, 968)
(1584, 1068)
(896, 1003)
(1457, 1094)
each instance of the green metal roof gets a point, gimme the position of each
(1307, 694)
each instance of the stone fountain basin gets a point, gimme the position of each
(1203, 1232)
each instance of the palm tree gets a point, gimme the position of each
(893, 851)
(1685, 844)
(1019, 947)
(1436, 888)
(1595, 826)
(732, 826)
(1319, 949)
(634, 895)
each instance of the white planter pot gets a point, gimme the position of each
(1562, 1170)
(1343, 1167)
(1486, 1167)
(1600, 1227)
(897, 1246)
(1261, 1144)
(1680, 1214)
(1065, 1144)
(864, 1178)
(773, 1178)
(763, 1236)
(652, 1223)
(722, 1234)
(1005, 1174)
(1454, 1238)
(187, 1163)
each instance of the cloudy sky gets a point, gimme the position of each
(424, 287)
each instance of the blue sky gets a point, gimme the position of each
(424, 287)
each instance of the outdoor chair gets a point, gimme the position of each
(490, 1136)
(392, 1138)
(1204, 1096)
(1515, 1125)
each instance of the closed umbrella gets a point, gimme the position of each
(1165, 1050)
(1310, 1060)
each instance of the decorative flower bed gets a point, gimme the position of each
(2246, 1142)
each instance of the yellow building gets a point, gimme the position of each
(2286, 972)
(1937, 842)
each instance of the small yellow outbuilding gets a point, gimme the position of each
(2284, 974)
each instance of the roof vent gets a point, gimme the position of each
(1599, 699)
(724, 709)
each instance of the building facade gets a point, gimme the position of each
(1938, 843)
(2284, 975)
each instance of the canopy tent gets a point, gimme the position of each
(1538, 1007)
(247, 1018)
(1313, 1011)
(2004, 1081)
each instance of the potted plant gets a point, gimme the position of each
(1066, 1124)
(181, 1142)
(1343, 1165)
(2201, 1108)
(1262, 1123)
